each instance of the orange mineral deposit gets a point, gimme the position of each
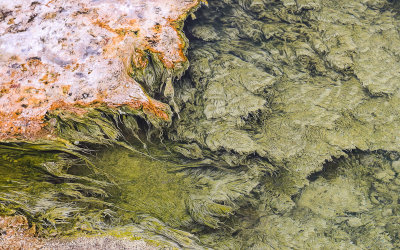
(65, 53)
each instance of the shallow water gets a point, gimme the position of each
(287, 137)
(352, 203)
(146, 186)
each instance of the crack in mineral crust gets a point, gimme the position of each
(74, 54)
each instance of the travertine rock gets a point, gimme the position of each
(65, 54)
(15, 233)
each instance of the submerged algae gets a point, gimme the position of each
(282, 87)
(146, 186)
(270, 84)
(38, 185)
(276, 93)
(352, 204)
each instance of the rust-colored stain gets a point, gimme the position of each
(17, 234)
(77, 53)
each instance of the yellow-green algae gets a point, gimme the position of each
(287, 137)
(147, 186)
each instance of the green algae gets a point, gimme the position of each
(292, 84)
(153, 189)
(147, 186)
(352, 203)
(39, 186)
(176, 194)
(262, 155)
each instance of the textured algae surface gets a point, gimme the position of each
(285, 135)
(283, 87)
(271, 83)
(146, 186)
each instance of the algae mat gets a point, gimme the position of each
(285, 134)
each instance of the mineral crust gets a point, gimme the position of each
(57, 54)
